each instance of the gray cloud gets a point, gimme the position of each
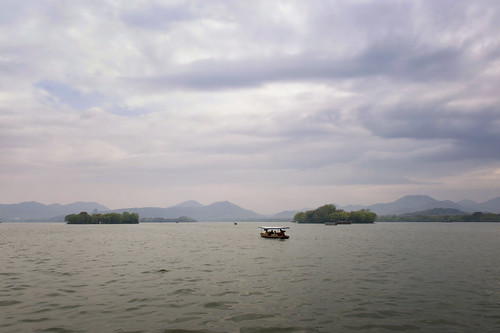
(158, 16)
(377, 61)
(342, 101)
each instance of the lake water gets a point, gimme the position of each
(220, 277)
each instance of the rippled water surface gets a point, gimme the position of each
(220, 277)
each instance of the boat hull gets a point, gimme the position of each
(264, 235)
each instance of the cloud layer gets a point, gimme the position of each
(270, 104)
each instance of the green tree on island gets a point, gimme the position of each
(362, 216)
(338, 215)
(329, 213)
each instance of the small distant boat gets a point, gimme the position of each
(343, 222)
(274, 232)
(330, 223)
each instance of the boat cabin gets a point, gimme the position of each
(274, 232)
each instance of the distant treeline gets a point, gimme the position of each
(168, 219)
(109, 218)
(475, 217)
(329, 213)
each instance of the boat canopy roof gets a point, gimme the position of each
(274, 228)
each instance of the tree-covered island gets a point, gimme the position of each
(109, 218)
(329, 213)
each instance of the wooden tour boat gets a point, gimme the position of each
(274, 232)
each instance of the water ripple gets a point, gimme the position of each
(154, 278)
(9, 303)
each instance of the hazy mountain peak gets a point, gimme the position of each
(413, 198)
(189, 204)
(222, 203)
(493, 201)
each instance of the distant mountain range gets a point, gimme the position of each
(227, 211)
(416, 203)
(218, 211)
(32, 210)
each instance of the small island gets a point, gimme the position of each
(330, 214)
(109, 218)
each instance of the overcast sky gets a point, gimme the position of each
(272, 105)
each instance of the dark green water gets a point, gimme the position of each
(218, 277)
